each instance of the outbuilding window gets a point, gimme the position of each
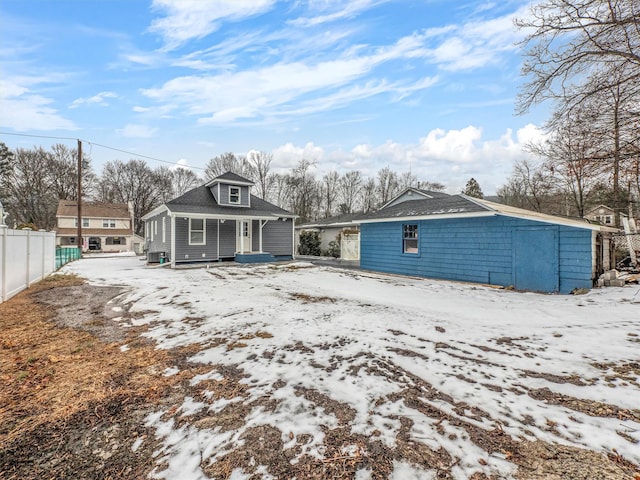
(234, 194)
(196, 231)
(410, 238)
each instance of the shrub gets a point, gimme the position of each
(333, 250)
(309, 243)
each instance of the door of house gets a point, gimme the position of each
(535, 259)
(244, 240)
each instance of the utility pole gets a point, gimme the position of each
(80, 197)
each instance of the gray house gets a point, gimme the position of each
(218, 221)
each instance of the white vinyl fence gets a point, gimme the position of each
(25, 258)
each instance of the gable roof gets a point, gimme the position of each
(456, 206)
(420, 193)
(427, 207)
(69, 208)
(200, 201)
(230, 177)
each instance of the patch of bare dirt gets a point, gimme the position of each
(72, 404)
(588, 407)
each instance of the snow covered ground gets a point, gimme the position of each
(409, 365)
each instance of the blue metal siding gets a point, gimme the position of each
(471, 249)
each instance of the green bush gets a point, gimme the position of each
(309, 243)
(333, 250)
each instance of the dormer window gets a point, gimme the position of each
(234, 195)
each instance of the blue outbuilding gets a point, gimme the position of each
(456, 237)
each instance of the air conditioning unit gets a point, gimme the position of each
(154, 257)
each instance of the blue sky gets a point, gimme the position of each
(362, 84)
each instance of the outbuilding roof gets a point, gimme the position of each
(453, 206)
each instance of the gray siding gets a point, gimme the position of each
(228, 238)
(224, 195)
(277, 237)
(194, 253)
(255, 240)
(154, 241)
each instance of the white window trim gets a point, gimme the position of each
(204, 232)
(239, 195)
(416, 238)
(108, 222)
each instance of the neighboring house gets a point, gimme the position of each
(347, 226)
(329, 229)
(602, 214)
(412, 193)
(456, 237)
(220, 220)
(106, 227)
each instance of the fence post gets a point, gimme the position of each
(28, 253)
(4, 230)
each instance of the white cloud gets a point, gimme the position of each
(188, 19)
(137, 131)
(335, 10)
(288, 155)
(98, 99)
(273, 89)
(29, 111)
(450, 157)
(182, 163)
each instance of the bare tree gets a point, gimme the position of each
(407, 180)
(260, 166)
(369, 195)
(135, 182)
(350, 185)
(387, 184)
(303, 191)
(530, 185)
(29, 195)
(227, 162)
(431, 186)
(330, 183)
(183, 180)
(573, 153)
(569, 40)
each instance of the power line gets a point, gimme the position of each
(101, 145)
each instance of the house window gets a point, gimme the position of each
(85, 222)
(115, 241)
(108, 223)
(196, 231)
(234, 194)
(410, 238)
(606, 219)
